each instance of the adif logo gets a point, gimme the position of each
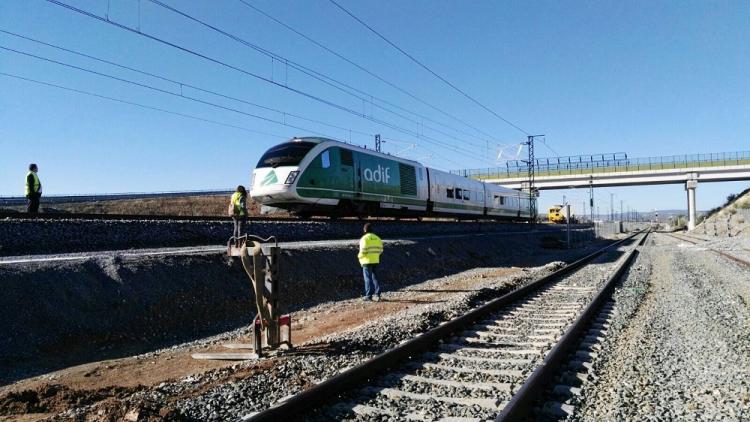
(379, 175)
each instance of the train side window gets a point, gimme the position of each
(449, 193)
(459, 195)
(467, 195)
(325, 158)
(420, 174)
(347, 158)
(502, 200)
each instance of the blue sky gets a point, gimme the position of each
(642, 77)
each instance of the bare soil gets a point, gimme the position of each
(199, 205)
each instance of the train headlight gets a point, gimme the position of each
(291, 178)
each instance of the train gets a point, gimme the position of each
(556, 214)
(312, 176)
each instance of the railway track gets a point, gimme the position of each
(137, 217)
(698, 241)
(492, 362)
(118, 217)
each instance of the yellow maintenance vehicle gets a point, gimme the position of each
(556, 214)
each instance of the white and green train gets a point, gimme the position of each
(318, 176)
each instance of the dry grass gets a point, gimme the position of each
(200, 205)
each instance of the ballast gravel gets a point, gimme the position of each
(29, 236)
(578, 287)
(251, 386)
(685, 353)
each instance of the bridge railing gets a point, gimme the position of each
(613, 166)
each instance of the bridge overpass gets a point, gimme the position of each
(609, 170)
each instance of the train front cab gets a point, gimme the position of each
(277, 171)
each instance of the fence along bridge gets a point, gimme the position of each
(609, 170)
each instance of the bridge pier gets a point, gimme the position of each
(690, 186)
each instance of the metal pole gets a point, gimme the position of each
(531, 175)
(567, 220)
(621, 209)
(530, 170)
(611, 207)
(584, 211)
(377, 143)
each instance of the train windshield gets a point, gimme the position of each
(288, 154)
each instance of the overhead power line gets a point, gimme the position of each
(182, 85)
(164, 91)
(374, 75)
(264, 79)
(425, 67)
(162, 110)
(321, 77)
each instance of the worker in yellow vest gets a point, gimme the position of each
(238, 210)
(33, 189)
(370, 248)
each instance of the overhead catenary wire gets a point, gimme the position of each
(425, 67)
(321, 77)
(376, 76)
(164, 91)
(181, 95)
(184, 84)
(265, 79)
(432, 153)
(159, 109)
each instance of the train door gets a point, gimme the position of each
(357, 176)
(346, 169)
(485, 199)
(329, 175)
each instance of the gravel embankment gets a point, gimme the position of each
(118, 305)
(21, 236)
(229, 394)
(685, 353)
(577, 288)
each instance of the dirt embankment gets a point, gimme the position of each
(57, 314)
(190, 205)
(732, 219)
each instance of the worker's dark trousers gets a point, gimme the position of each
(33, 203)
(239, 225)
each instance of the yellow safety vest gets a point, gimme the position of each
(370, 248)
(37, 184)
(238, 209)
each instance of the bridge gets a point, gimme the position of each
(608, 170)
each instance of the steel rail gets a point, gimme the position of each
(162, 217)
(351, 377)
(519, 406)
(694, 240)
